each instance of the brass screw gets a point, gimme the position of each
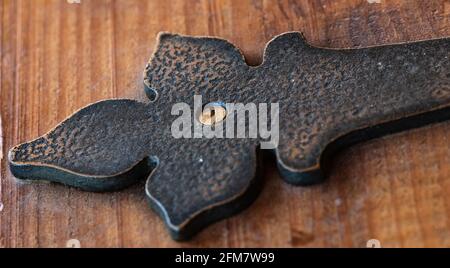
(212, 114)
(73, 243)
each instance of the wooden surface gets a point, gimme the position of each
(57, 57)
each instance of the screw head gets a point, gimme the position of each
(73, 243)
(212, 113)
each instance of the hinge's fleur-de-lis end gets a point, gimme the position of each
(327, 99)
(95, 149)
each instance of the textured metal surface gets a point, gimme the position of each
(328, 99)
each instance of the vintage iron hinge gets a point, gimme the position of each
(327, 99)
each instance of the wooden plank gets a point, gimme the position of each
(57, 57)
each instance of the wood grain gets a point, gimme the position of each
(57, 57)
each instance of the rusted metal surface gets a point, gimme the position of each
(328, 99)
